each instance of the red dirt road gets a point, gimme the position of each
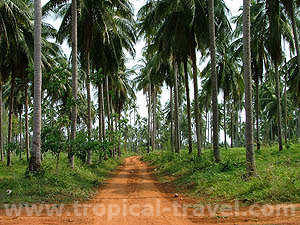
(134, 197)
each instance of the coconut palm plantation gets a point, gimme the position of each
(122, 102)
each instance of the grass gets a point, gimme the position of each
(278, 177)
(64, 186)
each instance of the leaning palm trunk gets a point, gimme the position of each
(88, 90)
(74, 81)
(11, 103)
(188, 106)
(177, 140)
(1, 141)
(26, 124)
(196, 101)
(214, 80)
(277, 81)
(35, 159)
(250, 158)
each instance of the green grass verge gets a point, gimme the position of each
(278, 177)
(64, 186)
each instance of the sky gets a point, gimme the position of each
(233, 5)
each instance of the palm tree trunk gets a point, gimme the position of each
(134, 144)
(35, 160)
(118, 127)
(208, 127)
(257, 114)
(154, 119)
(196, 101)
(26, 124)
(225, 133)
(250, 157)
(188, 106)
(177, 145)
(171, 118)
(231, 128)
(100, 115)
(20, 130)
(149, 118)
(1, 138)
(205, 135)
(74, 80)
(271, 132)
(277, 80)
(237, 124)
(11, 103)
(88, 91)
(108, 111)
(214, 80)
(112, 120)
(102, 112)
(285, 112)
(211, 131)
(200, 125)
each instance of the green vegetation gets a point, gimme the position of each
(87, 110)
(278, 179)
(49, 186)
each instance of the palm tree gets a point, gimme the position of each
(250, 158)
(214, 80)
(278, 29)
(74, 80)
(35, 160)
(15, 18)
(274, 15)
(73, 11)
(26, 123)
(188, 106)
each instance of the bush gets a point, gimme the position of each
(278, 177)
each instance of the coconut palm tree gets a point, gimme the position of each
(212, 37)
(278, 29)
(15, 17)
(35, 159)
(250, 158)
(74, 80)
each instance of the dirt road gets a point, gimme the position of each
(134, 197)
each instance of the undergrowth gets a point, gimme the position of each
(278, 177)
(51, 186)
